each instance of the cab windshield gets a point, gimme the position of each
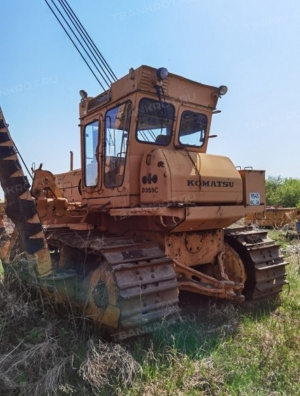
(155, 122)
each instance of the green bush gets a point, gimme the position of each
(283, 192)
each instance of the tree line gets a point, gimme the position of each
(282, 191)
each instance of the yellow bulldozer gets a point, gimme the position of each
(148, 215)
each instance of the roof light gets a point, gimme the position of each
(162, 73)
(222, 90)
(83, 94)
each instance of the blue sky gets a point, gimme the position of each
(251, 46)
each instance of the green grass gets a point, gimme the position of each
(222, 349)
(240, 351)
(216, 349)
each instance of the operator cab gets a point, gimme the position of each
(146, 110)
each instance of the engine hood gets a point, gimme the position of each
(168, 176)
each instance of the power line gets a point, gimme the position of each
(90, 41)
(77, 34)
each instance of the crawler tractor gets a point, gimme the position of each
(149, 214)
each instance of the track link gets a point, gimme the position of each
(265, 265)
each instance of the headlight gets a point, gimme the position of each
(162, 73)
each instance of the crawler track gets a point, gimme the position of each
(265, 265)
(143, 276)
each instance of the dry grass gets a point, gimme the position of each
(33, 369)
(108, 364)
(44, 354)
(31, 360)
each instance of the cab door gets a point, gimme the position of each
(91, 161)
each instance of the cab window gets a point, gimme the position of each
(192, 131)
(117, 123)
(91, 136)
(155, 122)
